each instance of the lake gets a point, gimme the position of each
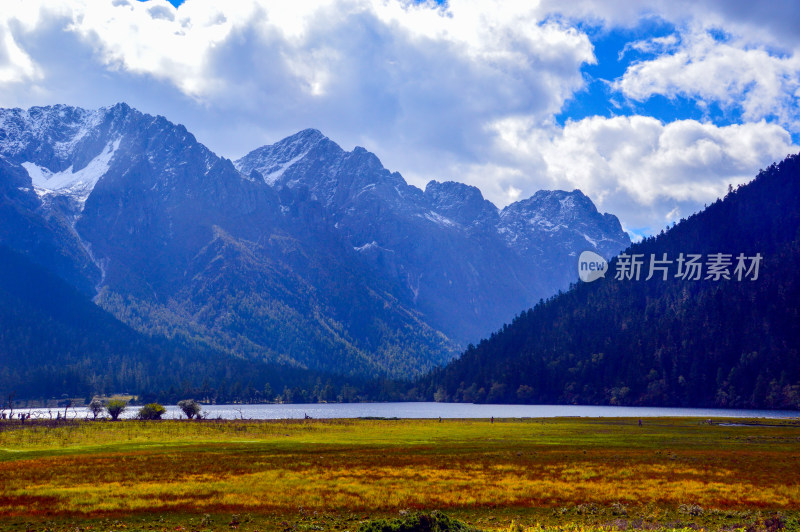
(433, 411)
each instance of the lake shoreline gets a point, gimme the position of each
(422, 410)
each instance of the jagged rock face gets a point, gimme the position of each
(300, 252)
(566, 219)
(551, 229)
(461, 203)
(467, 266)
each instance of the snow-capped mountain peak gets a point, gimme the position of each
(272, 161)
(52, 131)
(569, 218)
(460, 202)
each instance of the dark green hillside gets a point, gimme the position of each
(724, 343)
(55, 342)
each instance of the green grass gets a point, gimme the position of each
(335, 474)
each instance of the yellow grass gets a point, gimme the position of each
(126, 468)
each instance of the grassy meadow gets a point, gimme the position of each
(335, 474)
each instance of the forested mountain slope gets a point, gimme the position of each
(706, 342)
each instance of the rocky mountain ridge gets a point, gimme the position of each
(299, 253)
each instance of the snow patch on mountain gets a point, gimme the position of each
(366, 246)
(78, 183)
(276, 174)
(439, 219)
(590, 240)
(272, 161)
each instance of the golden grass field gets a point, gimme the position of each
(320, 475)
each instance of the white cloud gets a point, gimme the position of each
(731, 74)
(773, 23)
(16, 65)
(313, 42)
(651, 46)
(156, 39)
(637, 167)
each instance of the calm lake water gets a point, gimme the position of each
(434, 410)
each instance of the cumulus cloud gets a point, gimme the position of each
(16, 65)
(651, 46)
(730, 74)
(648, 171)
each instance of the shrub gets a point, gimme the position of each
(115, 407)
(190, 407)
(420, 522)
(96, 407)
(691, 509)
(151, 411)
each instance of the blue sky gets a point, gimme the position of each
(651, 107)
(614, 59)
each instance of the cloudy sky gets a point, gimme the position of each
(650, 107)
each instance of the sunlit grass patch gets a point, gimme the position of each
(87, 469)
